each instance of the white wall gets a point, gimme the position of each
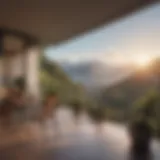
(25, 64)
(17, 64)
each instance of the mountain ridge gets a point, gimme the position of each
(95, 74)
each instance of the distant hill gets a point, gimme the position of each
(95, 74)
(117, 87)
(126, 92)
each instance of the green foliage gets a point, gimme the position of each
(146, 104)
(53, 78)
(115, 114)
(148, 107)
(19, 83)
(97, 114)
(77, 106)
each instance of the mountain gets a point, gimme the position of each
(96, 74)
(113, 86)
(126, 92)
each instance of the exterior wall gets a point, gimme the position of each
(6, 70)
(20, 58)
(2, 91)
(1, 72)
(25, 64)
(12, 67)
(17, 66)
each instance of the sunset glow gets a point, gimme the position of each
(142, 61)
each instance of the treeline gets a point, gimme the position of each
(54, 79)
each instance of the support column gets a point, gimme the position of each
(32, 72)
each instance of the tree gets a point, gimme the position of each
(147, 106)
(77, 108)
(97, 114)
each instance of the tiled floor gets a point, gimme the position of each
(68, 142)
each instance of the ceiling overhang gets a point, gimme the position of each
(52, 22)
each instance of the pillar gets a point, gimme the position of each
(32, 71)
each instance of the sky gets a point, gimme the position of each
(133, 39)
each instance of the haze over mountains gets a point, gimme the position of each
(96, 74)
(113, 86)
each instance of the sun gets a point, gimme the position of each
(142, 61)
